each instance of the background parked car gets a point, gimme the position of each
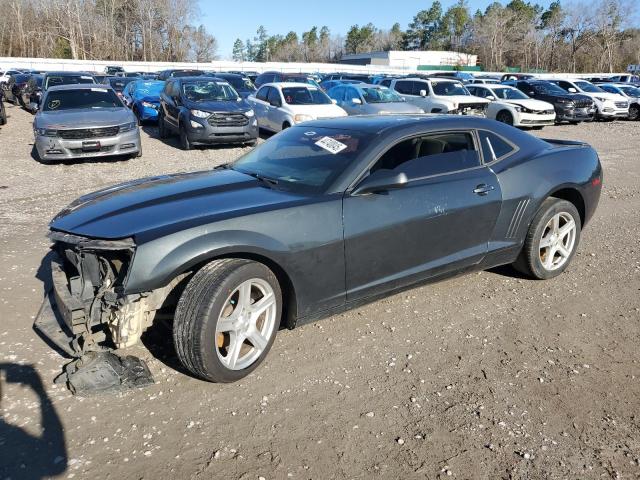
(118, 84)
(608, 105)
(625, 79)
(440, 96)
(54, 79)
(630, 92)
(327, 85)
(80, 121)
(364, 99)
(276, 77)
(250, 74)
(241, 84)
(282, 105)
(31, 93)
(349, 76)
(205, 111)
(464, 77)
(143, 97)
(113, 70)
(3, 112)
(179, 72)
(483, 81)
(511, 106)
(11, 88)
(570, 107)
(4, 75)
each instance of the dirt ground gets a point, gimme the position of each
(483, 376)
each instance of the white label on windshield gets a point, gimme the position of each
(331, 145)
(313, 88)
(103, 90)
(83, 77)
(222, 83)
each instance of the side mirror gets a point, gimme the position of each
(423, 93)
(572, 90)
(381, 181)
(490, 97)
(356, 101)
(334, 101)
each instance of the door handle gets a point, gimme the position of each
(483, 189)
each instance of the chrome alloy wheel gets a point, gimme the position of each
(246, 324)
(557, 241)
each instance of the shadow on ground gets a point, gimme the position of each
(25, 456)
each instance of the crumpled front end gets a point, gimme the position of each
(88, 307)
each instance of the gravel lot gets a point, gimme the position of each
(483, 376)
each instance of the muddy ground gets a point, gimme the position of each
(487, 375)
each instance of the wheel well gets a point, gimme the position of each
(572, 195)
(285, 125)
(289, 300)
(504, 110)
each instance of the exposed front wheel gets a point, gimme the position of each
(634, 112)
(227, 318)
(552, 240)
(505, 117)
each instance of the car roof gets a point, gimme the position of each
(196, 78)
(377, 124)
(79, 86)
(69, 74)
(435, 79)
(282, 85)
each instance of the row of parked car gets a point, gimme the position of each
(100, 112)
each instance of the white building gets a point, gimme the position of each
(411, 59)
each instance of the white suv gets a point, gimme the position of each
(440, 95)
(281, 105)
(608, 105)
(4, 76)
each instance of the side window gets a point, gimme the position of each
(274, 95)
(473, 90)
(262, 94)
(351, 93)
(492, 145)
(565, 85)
(431, 155)
(404, 87)
(417, 86)
(607, 88)
(386, 83)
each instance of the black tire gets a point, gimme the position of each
(3, 116)
(529, 262)
(505, 117)
(574, 123)
(251, 143)
(163, 131)
(634, 112)
(198, 311)
(185, 144)
(285, 125)
(138, 154)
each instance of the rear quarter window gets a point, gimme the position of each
(493, 144)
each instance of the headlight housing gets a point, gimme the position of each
(45, 132)
(200, 114)
(301, 117)
(127, 127)
(249, 113)
(518, 108)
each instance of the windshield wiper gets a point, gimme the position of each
(266, 180)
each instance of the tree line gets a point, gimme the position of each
(135, 30)
(577, 36)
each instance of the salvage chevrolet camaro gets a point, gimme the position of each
(321, 217)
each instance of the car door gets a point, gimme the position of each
(441, 220)
(353, 108)
(275, 114)
(172, 110)
(259, 103)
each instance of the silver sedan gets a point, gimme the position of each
(79, 121)
(365, 99)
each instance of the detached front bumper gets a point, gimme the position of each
(57, 148)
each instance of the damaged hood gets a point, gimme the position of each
(83, 118)
(153, 207)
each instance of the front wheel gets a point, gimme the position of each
(552, 240)
(227, 318)
(505, 117)
(634, 112)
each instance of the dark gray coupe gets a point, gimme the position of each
(321, 217)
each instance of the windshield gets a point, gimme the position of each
(305, 96)
(379, 95)
(21, 78)
(508, 93)
(304, 160)
(449, 88)
(84, 98)
(548, 88)
(209, 91)
(588, 87)
(631, 91)
(241, 84)
(187, 73)
(52, 81)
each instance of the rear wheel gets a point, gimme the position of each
(551, 241)
(227, 318)
(505, 117)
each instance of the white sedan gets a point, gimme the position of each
(510, 105)
(281, 105)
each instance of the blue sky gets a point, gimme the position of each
(282, 16)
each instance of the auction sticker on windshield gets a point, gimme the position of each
(331, 145)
